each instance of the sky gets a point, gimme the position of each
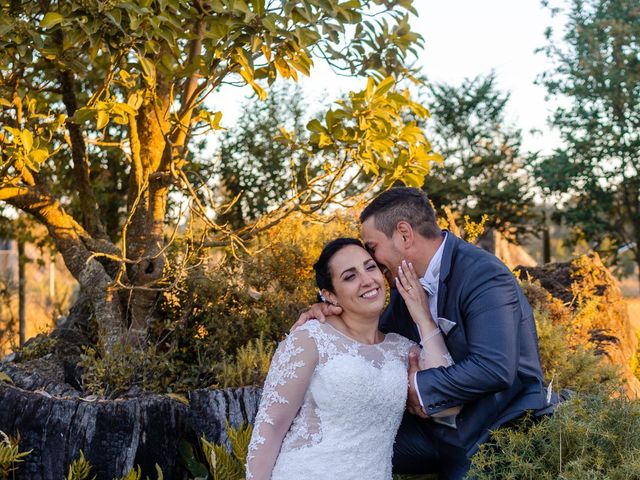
(463, 39)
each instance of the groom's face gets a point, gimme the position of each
(387, 252)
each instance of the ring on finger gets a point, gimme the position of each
(409, 288)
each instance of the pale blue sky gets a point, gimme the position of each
(463, 38)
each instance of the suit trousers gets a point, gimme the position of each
(417, 451)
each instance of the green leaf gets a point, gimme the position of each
(51, 19)
(269, 22)
(39, 155)
(315, 126)
(5, 378)
(83, 114)
(384, 86)
(103, 119)
(27, 140)
(196, 468)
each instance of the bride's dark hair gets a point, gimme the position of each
(321, 267)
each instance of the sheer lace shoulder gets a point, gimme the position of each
(282, 396)
(401, 345)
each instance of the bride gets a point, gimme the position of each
(336, 391)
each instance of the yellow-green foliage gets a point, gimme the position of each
(635, 360)
(225, 465)
(10, 454)
(470, 231)
(573, 367)
(80, 469)
(251, 364)
(568, 358)
(113, 373)
(5, 378)
(37, 347)
(208, 317)
(588, 437)
(136, 474)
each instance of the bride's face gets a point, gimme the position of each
(358, 283)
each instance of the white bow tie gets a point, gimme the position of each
(430, 285)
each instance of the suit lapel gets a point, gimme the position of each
(450, 247)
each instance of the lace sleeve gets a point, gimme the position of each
(291, 369)
(434, 352)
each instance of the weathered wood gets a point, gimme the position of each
(114, 435)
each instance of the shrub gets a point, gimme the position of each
(215, 304)
(220, 463)
(37, 347)
(569, 360)
(588, 437)
(10, 455)
(126, 370)
(251, 364)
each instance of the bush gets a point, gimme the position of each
(228, 298)
(588, 437)
(251, 364)
(569, 360)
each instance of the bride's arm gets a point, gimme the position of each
(289, 375)
(434, 352)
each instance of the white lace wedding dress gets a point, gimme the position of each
(330, 407)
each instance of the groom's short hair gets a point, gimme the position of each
(403, 204)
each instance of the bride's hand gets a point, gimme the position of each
(409, 287)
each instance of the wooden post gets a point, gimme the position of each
(22, 260)
(546, 240)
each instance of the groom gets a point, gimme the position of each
(488, 328)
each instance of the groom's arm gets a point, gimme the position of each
(491, 315)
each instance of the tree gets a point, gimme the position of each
(102, 104)
(484, 169)
(596, 75)
(254, 168)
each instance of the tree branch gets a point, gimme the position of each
(87, 197)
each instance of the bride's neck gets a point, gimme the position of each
(363, 329)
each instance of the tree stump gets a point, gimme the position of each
(55, 422)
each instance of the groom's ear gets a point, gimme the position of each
(405, 231)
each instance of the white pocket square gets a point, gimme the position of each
(445, 325)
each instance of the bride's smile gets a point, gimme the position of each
(358, 285)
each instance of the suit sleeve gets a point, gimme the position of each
(491, 315)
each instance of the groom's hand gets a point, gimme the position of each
(317, 311)
(413, 401)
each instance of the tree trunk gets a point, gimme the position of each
(77, 249)
(114, 435)
(22, 283)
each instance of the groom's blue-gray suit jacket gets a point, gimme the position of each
(492, 340)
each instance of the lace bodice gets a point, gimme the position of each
(327, 401)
